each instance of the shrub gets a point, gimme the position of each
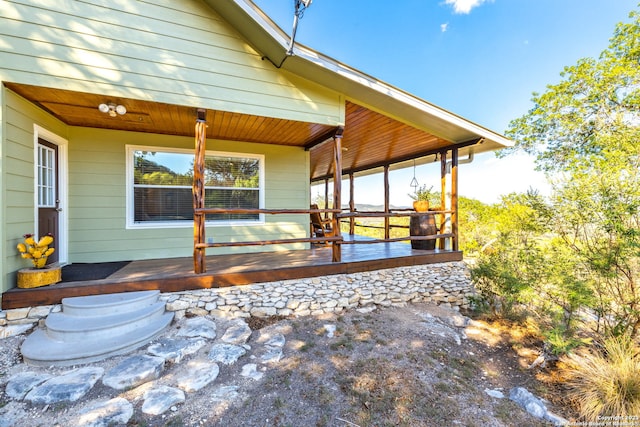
(606, 383)
(562, 341)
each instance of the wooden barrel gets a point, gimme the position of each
(423, 225)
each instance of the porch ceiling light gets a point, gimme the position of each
(112, 109)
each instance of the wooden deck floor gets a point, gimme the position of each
(176, 274)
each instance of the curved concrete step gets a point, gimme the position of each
(95, 327)
(99, 305)
(41, 350)
(62, 327)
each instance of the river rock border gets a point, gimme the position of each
(443, 284)
(446, 284)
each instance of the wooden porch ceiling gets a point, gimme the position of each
(370, 139)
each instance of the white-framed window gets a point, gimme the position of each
(160, 179)
(46, 177)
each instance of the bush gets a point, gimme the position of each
(607, 383)
(562, 341)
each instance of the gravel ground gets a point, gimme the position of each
(411, 366)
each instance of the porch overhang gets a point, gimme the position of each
(371, 139)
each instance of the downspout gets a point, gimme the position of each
(466, 161)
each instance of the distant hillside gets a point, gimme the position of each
(364, 207)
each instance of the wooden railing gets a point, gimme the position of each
(201, 245)
(440, 236)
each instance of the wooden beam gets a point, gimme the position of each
(352, 204)
(403, 213)
(321, 139)
(337, 190)
(393, 161)
(326, 197)
(397, 239)
(454, 199)
(443, 195)
(386, 201)
(233, 211)
(271, 242)
(198, 193)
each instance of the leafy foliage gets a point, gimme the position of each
(477, 225)
(574, 261)
(596, 100)
(584, 132)
(526, 266)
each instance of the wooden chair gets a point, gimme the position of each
(320, 227)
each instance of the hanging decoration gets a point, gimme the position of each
(414, 181)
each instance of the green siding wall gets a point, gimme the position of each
(3, 196)
(97, 198)
(17, 176)
(177, 52)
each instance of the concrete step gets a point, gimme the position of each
(93, 328)
(41, 350)
(61, 327)
(98, 305)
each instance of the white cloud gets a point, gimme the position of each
(444, 27)
(464, 6)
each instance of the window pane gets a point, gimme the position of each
(232, 172)
(46, 173)
(157, 168)
(176, 204)
(163, 204)
(162, 168)
(218, 198)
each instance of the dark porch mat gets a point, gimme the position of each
(90, 271)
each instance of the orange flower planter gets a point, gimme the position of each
(421, 205)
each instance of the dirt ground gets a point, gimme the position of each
(418, 365)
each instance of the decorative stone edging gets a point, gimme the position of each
(446, 284)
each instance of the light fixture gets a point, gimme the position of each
(112, 109)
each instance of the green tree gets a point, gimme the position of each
(509, 265)
(477, 225)
(527, 269)
(585, 133)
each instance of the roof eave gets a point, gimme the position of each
(272, 42)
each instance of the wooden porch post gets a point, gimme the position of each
(198, 193)
(386, 201)
(326, 196)
(337, 184)
(454, 198)
(443, 196)
(352, 204)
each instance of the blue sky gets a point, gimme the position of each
(480, 59)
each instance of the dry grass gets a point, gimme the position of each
(387, 368)
(606, 383)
